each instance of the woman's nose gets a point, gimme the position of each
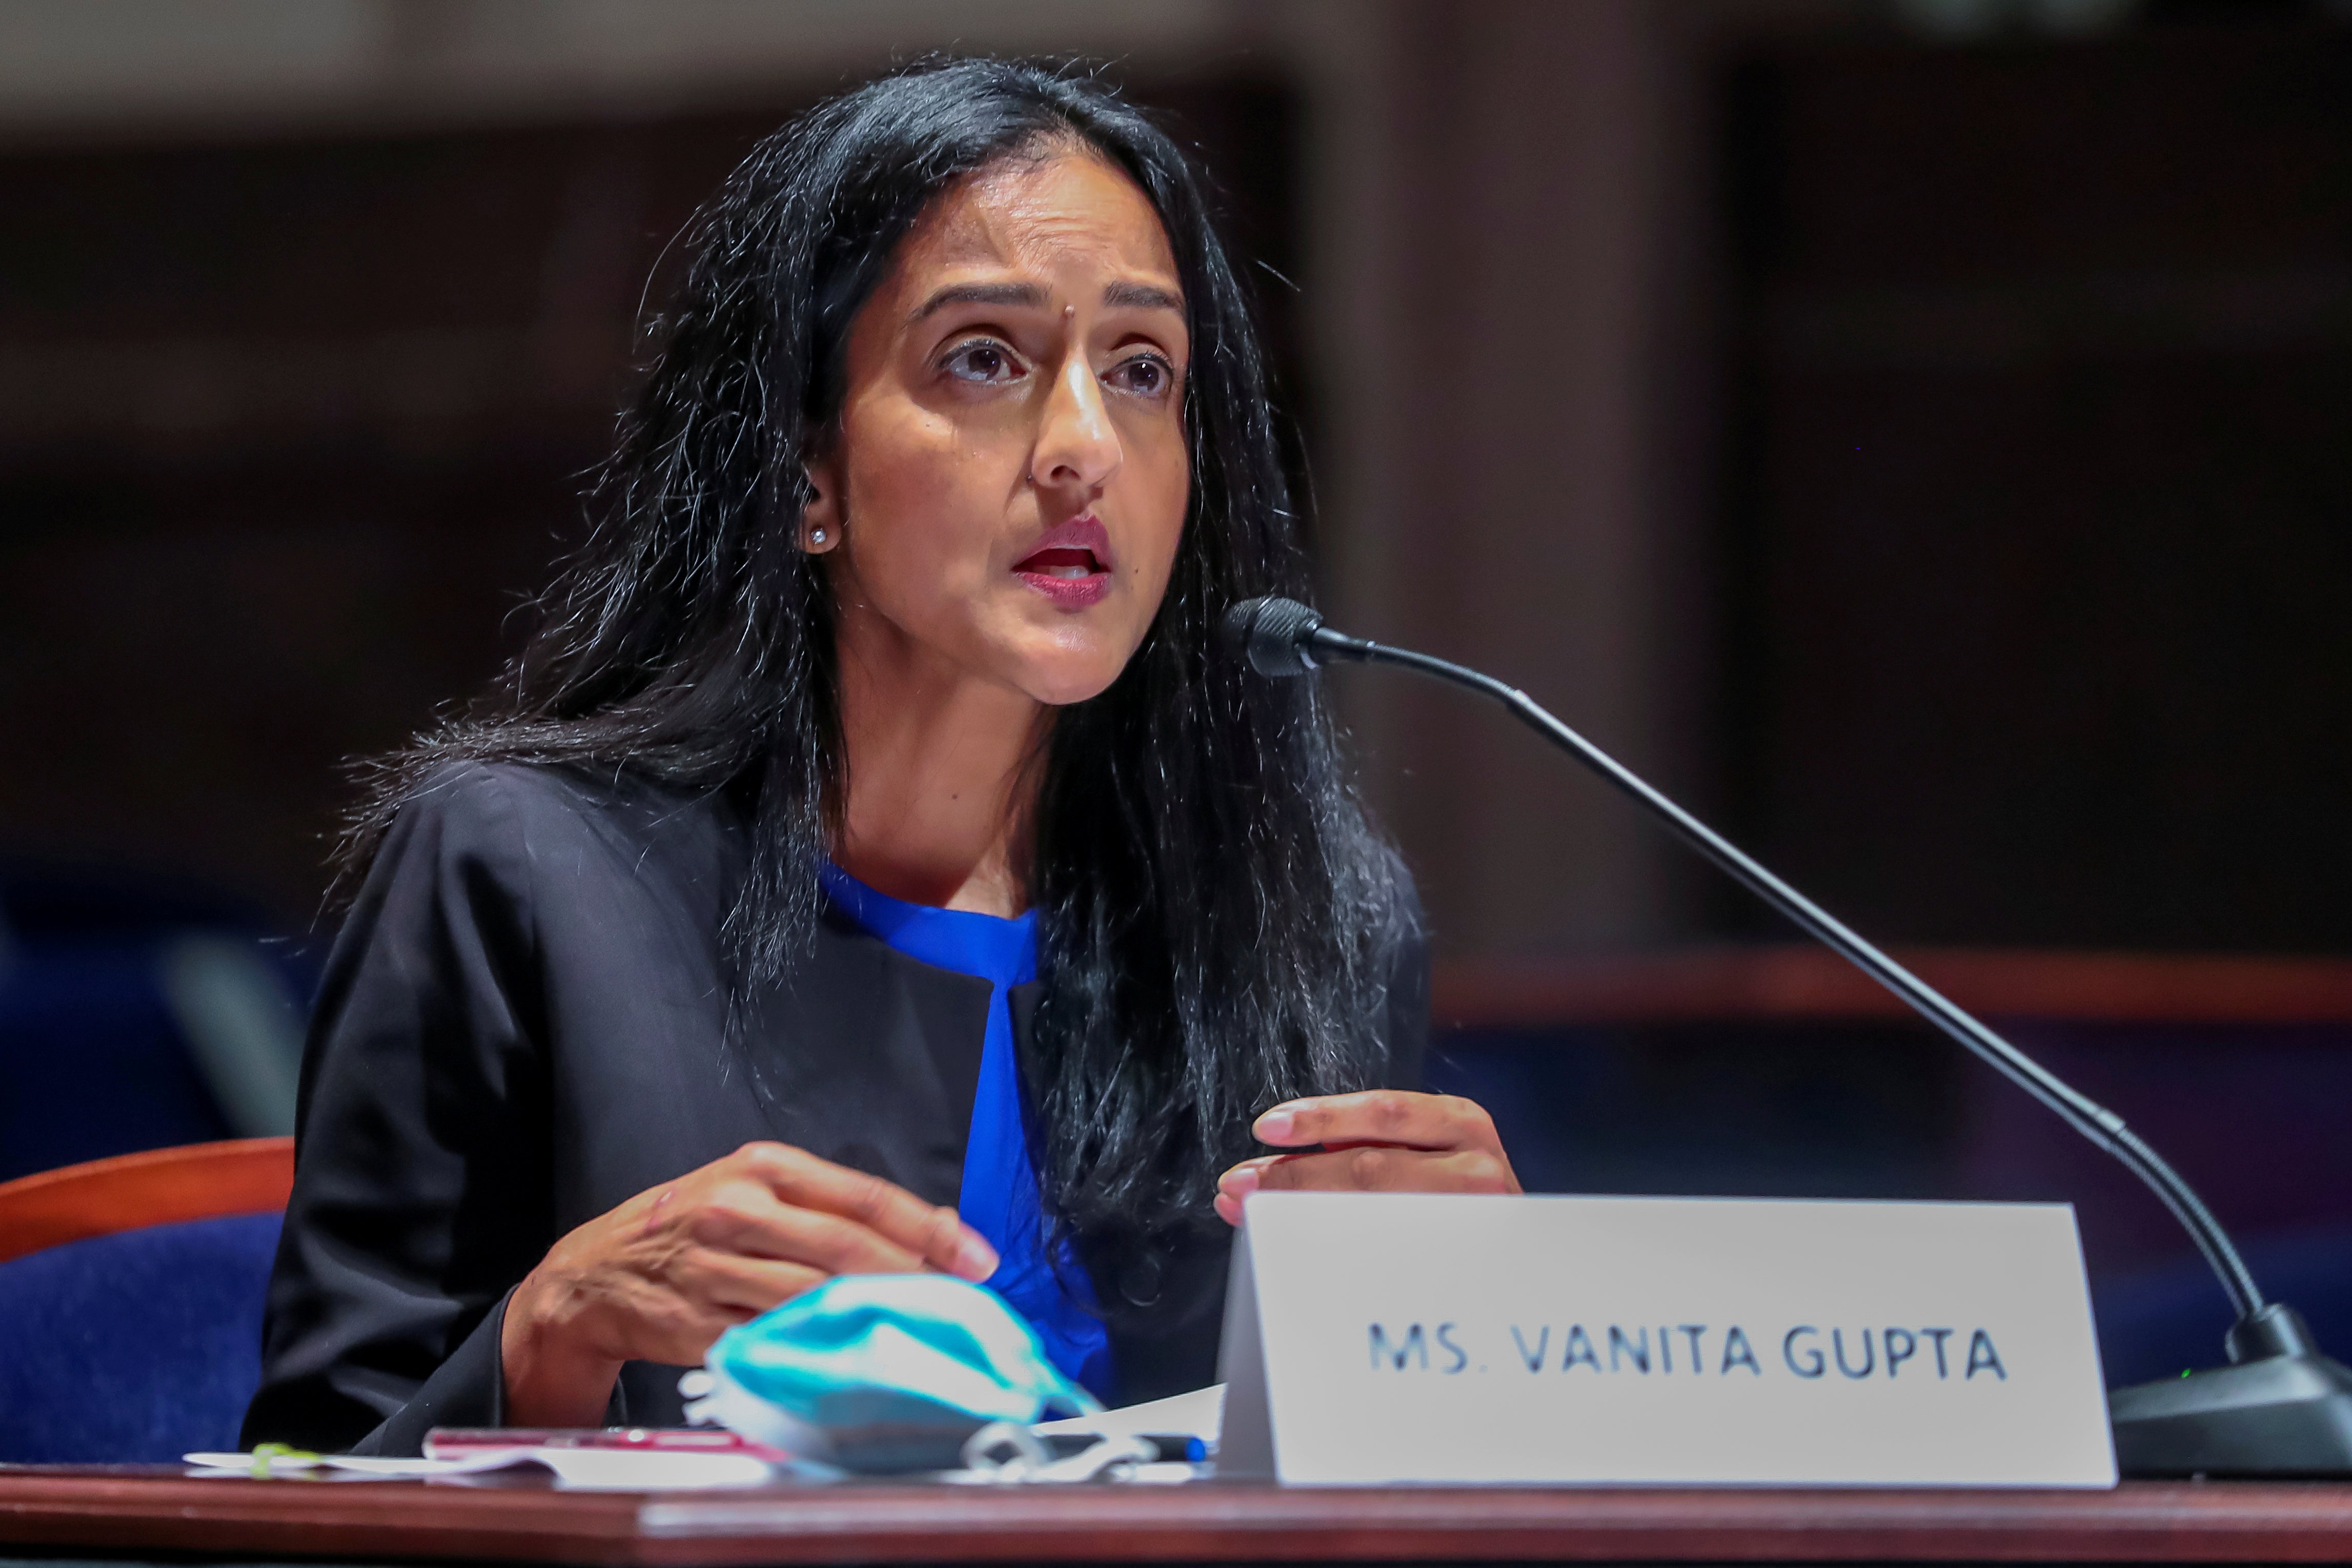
(1077, 446)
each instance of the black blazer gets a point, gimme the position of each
(522, 1025)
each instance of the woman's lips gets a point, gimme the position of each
(1063, 563)
(1070, 565)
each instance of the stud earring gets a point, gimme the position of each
(816, 535)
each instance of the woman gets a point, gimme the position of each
(874, 862)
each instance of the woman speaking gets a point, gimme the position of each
(874, 861)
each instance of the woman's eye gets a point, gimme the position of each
(981, 361)
(1146, 376)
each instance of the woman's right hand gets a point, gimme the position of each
(667, 1272)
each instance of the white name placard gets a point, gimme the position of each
(1379, 1337)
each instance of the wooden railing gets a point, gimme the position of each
(1799, 982)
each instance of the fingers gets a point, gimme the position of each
(1374, 1168)
(933, 1235)
(747, 1220)
(1370, 1167)
(678, 1326)
(740, 1289)
(1378, 1116)
(662, 1275)
(1383, 1140)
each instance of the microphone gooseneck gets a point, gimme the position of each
(1281, 637)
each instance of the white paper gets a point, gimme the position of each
(576, 1470)
(1479, 1339)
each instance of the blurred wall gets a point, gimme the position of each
(1913, 435)
(313, 314)
(312, 322)
(2036, 525)
(160, 68)
(1515, 324)
(1485, 387)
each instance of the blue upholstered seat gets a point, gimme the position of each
(139, 1347)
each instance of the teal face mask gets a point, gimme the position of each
(881, 1372)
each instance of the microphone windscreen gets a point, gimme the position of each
(1273, 633)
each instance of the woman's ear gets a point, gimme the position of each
(821, 518)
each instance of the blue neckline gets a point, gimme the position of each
(965, 940)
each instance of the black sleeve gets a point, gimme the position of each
(421, 1184)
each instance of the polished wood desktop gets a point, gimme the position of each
(129, 1513)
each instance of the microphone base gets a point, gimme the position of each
(2288, 1413)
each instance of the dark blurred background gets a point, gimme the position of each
(1913, 433)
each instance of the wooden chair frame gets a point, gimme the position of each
(154, 1186)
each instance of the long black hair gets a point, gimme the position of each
(1217, 919)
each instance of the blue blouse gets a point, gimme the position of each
(999, 1198)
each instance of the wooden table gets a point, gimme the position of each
(133, 1513)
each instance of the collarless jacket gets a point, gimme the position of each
(523, 1025)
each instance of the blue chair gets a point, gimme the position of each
(131, 1301)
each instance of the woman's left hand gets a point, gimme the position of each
(1384, 1140)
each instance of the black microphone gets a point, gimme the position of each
(2282, 1408)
